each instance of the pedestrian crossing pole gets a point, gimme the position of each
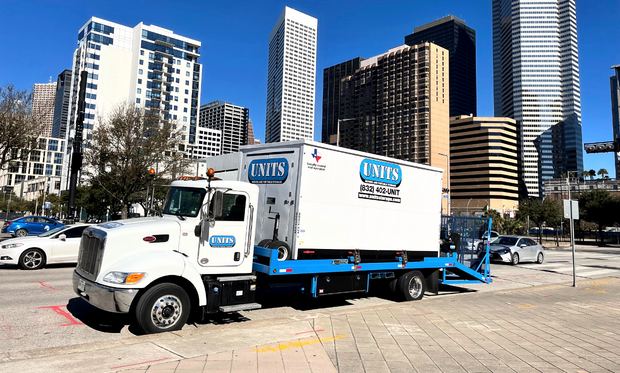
(572, 231)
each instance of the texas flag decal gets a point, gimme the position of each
(316, 155)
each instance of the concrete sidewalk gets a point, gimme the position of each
(554, 328)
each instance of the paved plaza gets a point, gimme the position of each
(549, 328)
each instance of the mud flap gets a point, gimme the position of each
(432, 282)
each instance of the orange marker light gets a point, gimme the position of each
(133, 278)
(210, 172)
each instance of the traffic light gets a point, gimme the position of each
(601, 147)
(152, 173)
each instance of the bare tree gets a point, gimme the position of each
(128, 143)
(20, 127)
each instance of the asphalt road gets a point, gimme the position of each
(38, 309)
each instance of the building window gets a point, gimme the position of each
(137, 100)
(58, 158)
(139, 71)
(187, 73)
(139, 81)
(184, 119)
(141, 62)
(187, 82)
(188, 64)
(49, 168)
(142, 53)
(38, 169)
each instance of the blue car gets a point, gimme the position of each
(30, 226)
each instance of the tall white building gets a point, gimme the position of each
(536, 81)
(147, 65)
(43, 105)
(291, 77)
(231, 120)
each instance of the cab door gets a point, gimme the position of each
(224, 243)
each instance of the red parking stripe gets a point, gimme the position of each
(65, 314)
(46, 285)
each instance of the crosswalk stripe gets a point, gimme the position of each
(594, 273)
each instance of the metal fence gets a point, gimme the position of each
(468, 237)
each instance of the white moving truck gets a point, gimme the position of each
(328, 218)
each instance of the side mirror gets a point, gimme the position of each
(217, 203)
(522, 245)
(62, 237)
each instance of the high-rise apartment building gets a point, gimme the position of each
(615, 112)
(397, 105)
(332, 77)
(460, 40)
(484, 164)
(536, 82)
(61, 105)
(43, 106)
(209, 143)
(291, 77)
(231, 120)
(149, 66)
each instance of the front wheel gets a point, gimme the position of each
(284, 251)
(162, 308)
(32, 259)
(540, 258)
(515, 259)
(412, 285)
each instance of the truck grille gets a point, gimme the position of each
(89, 259)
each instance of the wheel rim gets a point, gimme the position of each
(282, 253)
(21, 233)
(33, 259)
(415, 287)
(540, 257)
(515, 258)
(166, 311)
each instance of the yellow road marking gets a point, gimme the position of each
(601, 283)
(526, 306)
(600, 291)
(296, 344)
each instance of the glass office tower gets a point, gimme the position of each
(536, 81)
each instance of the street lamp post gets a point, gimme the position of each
(338, 129)
(448, 170)
(468, 206)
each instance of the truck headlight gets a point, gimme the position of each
(12, 245)
(123, 277)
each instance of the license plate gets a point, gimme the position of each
(81, 285)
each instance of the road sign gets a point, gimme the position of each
(47, 205)
(575, 204)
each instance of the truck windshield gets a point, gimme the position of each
(184, 201)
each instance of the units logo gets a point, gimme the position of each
(377, 172)
(222, 241)
(316, 155)
(268, 171)
(380, 181)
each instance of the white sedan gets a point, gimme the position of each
(59, 245)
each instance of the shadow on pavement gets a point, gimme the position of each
(97, 319)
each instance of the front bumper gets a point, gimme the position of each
(103, 297)
(9, 256)
(499, 257)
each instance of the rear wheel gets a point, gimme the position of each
(21, 232)
(265, 243)
(162, 308)
(284, 251)
(515, 259)
(540, 258)
(412, 285)
(32, 259)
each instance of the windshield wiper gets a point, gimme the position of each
(178, 213)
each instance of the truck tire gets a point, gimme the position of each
(32, 259)
(284, 251)
(265, 243)
(162, 308)
(412, 285)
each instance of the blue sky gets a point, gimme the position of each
(39, 37)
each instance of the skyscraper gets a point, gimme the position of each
(61, 106)
(231, 120)
(43, 105)
(291, 77)
(536, 82)
(332, 77)
(397, 104)
(146, 65)
(460, 40)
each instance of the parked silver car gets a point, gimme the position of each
(516, 249)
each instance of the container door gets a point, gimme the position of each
(276, 176)
(225, 244)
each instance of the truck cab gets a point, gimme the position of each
(157, 267)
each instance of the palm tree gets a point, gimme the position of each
(603, 172)
(591, 173)
(584, 174)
